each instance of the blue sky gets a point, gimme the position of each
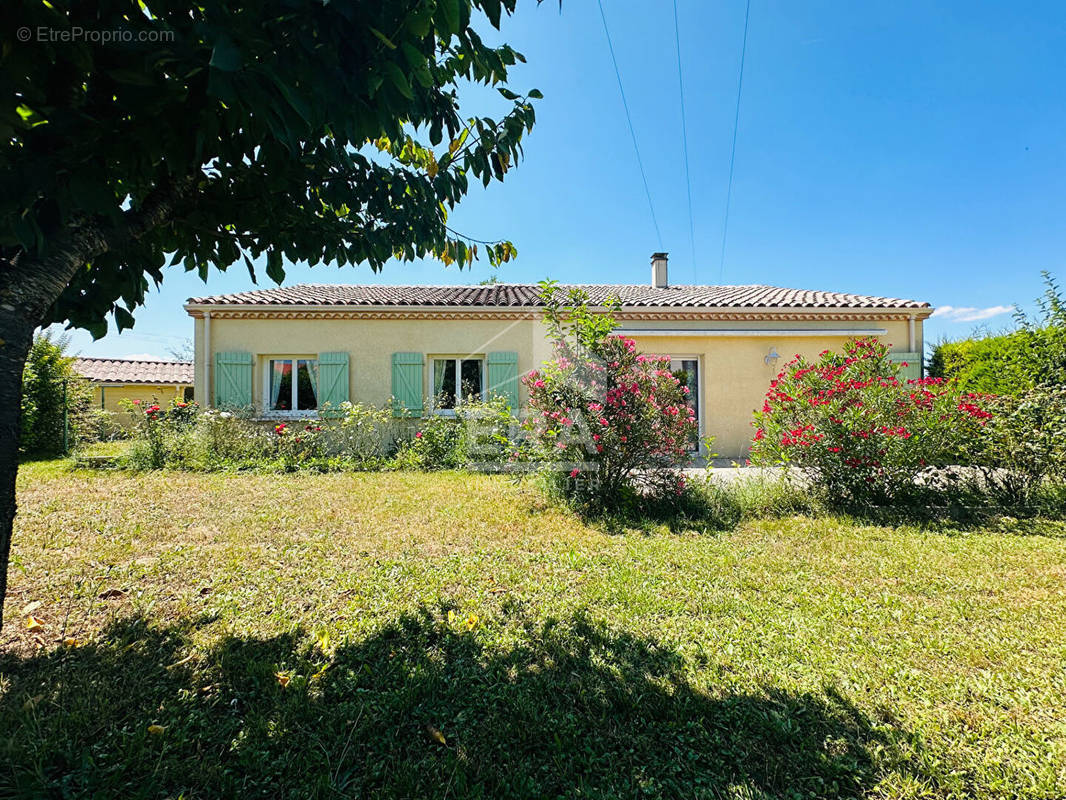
(909, 149)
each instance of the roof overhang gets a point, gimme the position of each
(733, 313)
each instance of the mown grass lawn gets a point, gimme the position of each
(450, 635)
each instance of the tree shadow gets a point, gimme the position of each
(420, 708)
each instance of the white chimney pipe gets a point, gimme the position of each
(658, 270)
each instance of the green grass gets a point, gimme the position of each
(794, 657)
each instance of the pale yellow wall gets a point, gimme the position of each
(734, 374)
(370, 345)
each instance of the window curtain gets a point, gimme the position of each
(440, 370)
(277, 374)
(311, 367)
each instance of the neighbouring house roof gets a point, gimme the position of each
(125, 370)
(528, 295)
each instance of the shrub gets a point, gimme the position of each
(1011, 362)
(481, 435)
(162, 434)
(1025, 445)
(862, 435)
(51, 390)
(361, 435)
(615, 421)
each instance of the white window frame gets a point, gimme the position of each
(459, 399)
(292, 413)
(701, 400)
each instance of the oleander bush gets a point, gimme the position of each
(864, 436)
(612, 424)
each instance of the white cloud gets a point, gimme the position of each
(969, 314)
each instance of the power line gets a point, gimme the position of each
(684, 144)
(629, 120)
(733, 149)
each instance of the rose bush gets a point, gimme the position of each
(612, 421)
(863, 435)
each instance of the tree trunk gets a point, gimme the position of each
(16, 334)
(28, 288)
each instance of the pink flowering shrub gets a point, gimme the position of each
(611, 421)
(864, 435)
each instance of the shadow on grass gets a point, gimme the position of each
(572, 710)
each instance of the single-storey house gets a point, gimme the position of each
(287, 351)
(116, 379)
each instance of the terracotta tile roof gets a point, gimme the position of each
(527, 295)
(125, 370)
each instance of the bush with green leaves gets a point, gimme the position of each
(862, 435)
(53, 396)
(617, 422)
(1012, 362)
(1024, 450)
(480, 435)
(162, 433)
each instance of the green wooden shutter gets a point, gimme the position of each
(407, 384)
(913, 370)
(332, 380)
(503, 376)
(233, 379)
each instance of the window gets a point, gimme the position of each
(187, 394)
(468, 374)
(687, 370)
(292, 385)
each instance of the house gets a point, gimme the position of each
(287, 351)
(117, 379)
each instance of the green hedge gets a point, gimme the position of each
(1014, 362)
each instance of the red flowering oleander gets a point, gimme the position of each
(860, 431)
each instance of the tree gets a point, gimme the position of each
(54, 397)
(138, 135)
(186, 351)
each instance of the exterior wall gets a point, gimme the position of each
(369, 344)
(734, 374)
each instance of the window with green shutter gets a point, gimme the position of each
(332, 380)
(503, 376)
(913, 370)
(233, 379)
(407, 384)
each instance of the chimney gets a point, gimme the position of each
(658, 270)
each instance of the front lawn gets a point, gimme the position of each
(453, 635)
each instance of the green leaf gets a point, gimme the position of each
(123, 318)
(535, 94)
(450, 11)
(226, 56)
(420, 23)
(399, 80)
(275, 269)
(387, 41)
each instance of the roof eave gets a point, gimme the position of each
(197, 309)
